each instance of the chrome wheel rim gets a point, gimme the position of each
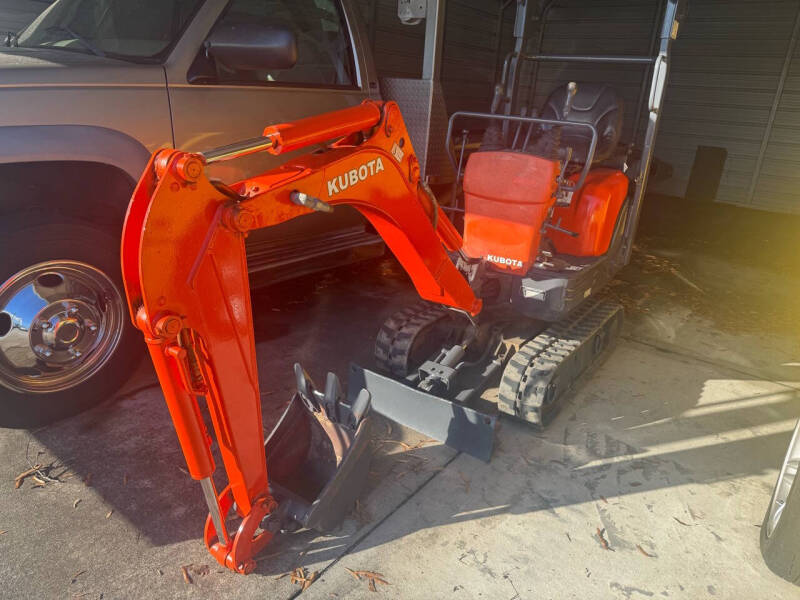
(60, 322)
(785, 480)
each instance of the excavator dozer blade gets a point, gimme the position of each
(459, 426)
(318, 454)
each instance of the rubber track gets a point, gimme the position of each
(396, 336)
(555, 359)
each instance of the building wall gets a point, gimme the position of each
(734, 84)
(726, 88)
(471, 52)
(726, 77)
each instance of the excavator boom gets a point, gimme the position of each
(186, 280)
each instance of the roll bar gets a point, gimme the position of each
(674, 12)
(531, 120)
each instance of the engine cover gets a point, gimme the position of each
(592, 214)
(507, 196)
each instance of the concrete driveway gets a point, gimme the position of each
(668, 453)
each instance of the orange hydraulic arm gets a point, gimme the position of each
(185, 274)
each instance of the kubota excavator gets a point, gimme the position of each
(545, 227)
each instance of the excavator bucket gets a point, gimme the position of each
(317, 454)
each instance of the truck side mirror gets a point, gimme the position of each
(252, 46)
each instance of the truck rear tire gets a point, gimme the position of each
(780, 532)
(66, 340)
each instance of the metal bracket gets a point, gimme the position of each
(411, 12)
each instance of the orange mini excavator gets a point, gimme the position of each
(513, 302)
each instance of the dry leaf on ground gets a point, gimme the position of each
(201, 570)
(185, 572)
(371, 576)
(465, 480)
(299, 576)
(74, 578)
(602, 539)
(643, 551)
(19, 479)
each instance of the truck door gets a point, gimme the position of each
(213, 105)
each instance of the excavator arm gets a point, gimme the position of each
(186, 280)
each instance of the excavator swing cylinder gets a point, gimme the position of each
(186, 281)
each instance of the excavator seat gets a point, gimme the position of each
(594, 103)
(509, 194)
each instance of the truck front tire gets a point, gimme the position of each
(66, 340)
(780, 532)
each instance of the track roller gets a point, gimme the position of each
(537, 377)
(410, 336)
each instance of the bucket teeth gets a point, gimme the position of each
(318, 454)
(305, 385)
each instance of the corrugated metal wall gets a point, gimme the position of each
(735, 80)
(725, 77)
(470, 56)
(724, 85)
(592, 27)
(777, 185)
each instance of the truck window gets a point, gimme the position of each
(324, 51)
(143, 30)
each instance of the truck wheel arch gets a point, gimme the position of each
(81, 171)
(84, 143)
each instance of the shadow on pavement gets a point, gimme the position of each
(327, 321)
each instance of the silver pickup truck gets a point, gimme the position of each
(88, 91)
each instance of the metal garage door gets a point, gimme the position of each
(725, 88)
(592, 27)
(725, 85)
(776, 185)
(471, 51)
(735, 81)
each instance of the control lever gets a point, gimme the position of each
(558, 227)
(360, 407)
(572, 89)
(564, 193)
